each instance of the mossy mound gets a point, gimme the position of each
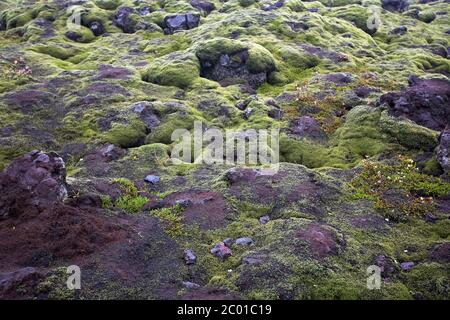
(179, 69)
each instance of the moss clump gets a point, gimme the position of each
(179, 69)
(56, 51)
(426, 16)
(130, 201)
(409, 134)
(81, 34)
(246, 3)
(416, 190)
(131, 204)
(360, 136)
(156, 153)
(163, 133)
(298, 59)
(357, 15)
(302, 152)
(430, 280)
(54, 286)
(107, 4)
(259, 59)
(127, 135)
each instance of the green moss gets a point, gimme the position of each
(131, 204)
(302, 152)
(127, 135)
(246, 3)
(107, 4)
(408, 133)
(172, 219)
(163, 133)
(130, 201)
(56, 51)
(295, 5)
(156, 153)
(355, 14)
(426, 16)
(178, 69)
(82, 34)
(430, 279)
(54, 286)
(259, 60)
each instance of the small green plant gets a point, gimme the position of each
(130, 201)
(411, 191)
(131, 204)
(172, 220)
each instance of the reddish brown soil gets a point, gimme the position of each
(206, 209)
(60, 231)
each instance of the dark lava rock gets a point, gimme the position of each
(307, 127)
(114, 73)
(236, 175)
(147, 113)
(97, 28)
(386, 264)
(152, 179)
(123, 21)
(129, 21)
(425, 102)
(179, 22)
(228, 242)
(221, 251)
(36, 179)
(233, 67)
(264, 219)
(340, 78)
(242, 105)
(399, 31)
(204, 6)
(275, 113)
(244, 241)
(189, 256)
(363, 92)
(247, 113)
(441, 253)
(274, 6)
(10, 281)
(443, 150)
(406, 266)
(72, 35)
(395, 5)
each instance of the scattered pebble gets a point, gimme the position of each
(264, 219)
(189, 256)
(244, 241)
(152, 179)
(408, 265)
(190, 285)
(221, 251)
(228, 242)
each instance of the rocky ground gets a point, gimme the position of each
(359, 89)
